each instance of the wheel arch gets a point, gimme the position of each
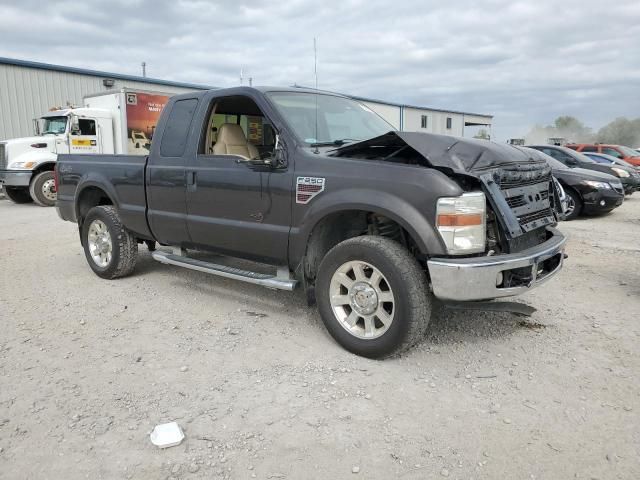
(326, 217)
(44, 167)
(90, 195)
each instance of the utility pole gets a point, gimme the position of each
(144, 69)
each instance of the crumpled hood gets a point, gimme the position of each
(462, 155)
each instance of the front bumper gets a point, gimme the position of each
(15, 178)
(468, 279)
(601, 201)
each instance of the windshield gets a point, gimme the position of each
(339, 120)
(54, 125)
(628, 152)
(581, 157)
(599, 159)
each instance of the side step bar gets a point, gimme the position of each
(282, 281)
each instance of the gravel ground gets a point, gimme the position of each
(89, 366)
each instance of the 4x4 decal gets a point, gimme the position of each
(308, 187)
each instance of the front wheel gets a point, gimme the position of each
(43, 189)
(18, 194)
(109, 247)
(574, 205)
(373, 296)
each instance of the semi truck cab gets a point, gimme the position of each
(26, 164)
(101, 126)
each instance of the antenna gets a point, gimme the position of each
(315, 73)
(240, 75)
(144, 69)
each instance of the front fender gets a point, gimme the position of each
(39, 156)
(414, 221)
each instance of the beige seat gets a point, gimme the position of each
(231, 141)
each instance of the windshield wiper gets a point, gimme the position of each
(336, 143)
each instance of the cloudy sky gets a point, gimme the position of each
(525, 62)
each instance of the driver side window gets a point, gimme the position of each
(236, 126)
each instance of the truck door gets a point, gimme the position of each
(235, 207)
(83, 136)
(166, 203)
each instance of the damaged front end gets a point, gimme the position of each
(523, 205)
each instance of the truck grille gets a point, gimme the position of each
(3, 156)
(527, 194)
(523, 201)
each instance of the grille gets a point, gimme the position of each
(3, 156)
(527, 194)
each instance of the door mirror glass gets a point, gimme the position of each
(74, 125)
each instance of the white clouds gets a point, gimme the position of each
(526, 62)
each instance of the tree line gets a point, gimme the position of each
(620, 131)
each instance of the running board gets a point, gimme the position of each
(282, 281)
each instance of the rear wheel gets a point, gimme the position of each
(373, 296)
(18, 194)
(574, 205)
(43, 189)
(109, 247)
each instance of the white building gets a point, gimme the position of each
(29, 89)
(411, 118)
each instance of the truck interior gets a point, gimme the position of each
(237, 126)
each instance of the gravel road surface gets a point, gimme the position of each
(88, 367)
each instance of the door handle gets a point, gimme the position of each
(191, 178)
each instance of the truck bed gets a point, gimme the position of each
(123, 174)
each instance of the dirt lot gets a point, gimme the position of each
(89, 366)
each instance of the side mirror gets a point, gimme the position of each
(74, 126)
(571, 162)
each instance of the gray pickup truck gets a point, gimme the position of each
(284, 187)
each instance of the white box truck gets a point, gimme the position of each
(110, 122)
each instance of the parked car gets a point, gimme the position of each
(619, 151)
(588, 192)
(371, 222)
(609, 160)
(573, 159)
(619, 166)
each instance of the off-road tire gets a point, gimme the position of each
(18, 194)
(407, 280)
(577, 210)
(124, 244)
(36, 188)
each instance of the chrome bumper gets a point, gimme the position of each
(467, 279)
(15, 178)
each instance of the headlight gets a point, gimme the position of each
(23, 165)
(621, 173)
(461, 222)
(594, 184)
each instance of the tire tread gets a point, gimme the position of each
(124, 240)
(414, 277)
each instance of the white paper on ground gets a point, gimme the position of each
(167, 435)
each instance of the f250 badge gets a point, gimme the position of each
(308, 187)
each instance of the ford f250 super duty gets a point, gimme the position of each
(315, 189)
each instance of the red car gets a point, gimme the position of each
(627, 154)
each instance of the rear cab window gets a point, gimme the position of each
(174, 137)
